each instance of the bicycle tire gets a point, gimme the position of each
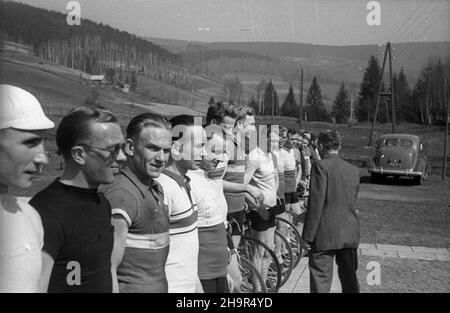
(246, 248)
(249, 272)
(288, 259)
(294, 239)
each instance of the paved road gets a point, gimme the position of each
(299, 280)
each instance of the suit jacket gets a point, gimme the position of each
(331, 221)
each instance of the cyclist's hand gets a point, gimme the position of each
(252, 202)
(306, 245)
(253, 191)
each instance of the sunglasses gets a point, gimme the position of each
(114, 150)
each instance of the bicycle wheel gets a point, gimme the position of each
(249, 275)
(294, 239)
(247, 248)
(288, 258)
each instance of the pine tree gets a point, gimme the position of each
(341, 107)
(270, 96)
(133, 82)
(233, 89)
(289, 107)
(315, 108)
(368, 91)
(402, 95)
(254, 104)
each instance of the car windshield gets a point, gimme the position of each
(391, 142)
(406, 143)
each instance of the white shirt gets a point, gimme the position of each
(21, 241)
(288, 158)
(212, 205)
(182, 261)
(264, 176)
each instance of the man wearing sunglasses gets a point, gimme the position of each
(140, 218)
(78, 236)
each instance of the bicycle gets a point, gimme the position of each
(248, 247)
(293, 239)
(252, 280)
(288, 258)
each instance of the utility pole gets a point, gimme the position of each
(273, 105)
(351, 108)
(378, 96)
(444, 161)
(300, 101)
(392, 88)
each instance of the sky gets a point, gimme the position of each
(324, 22)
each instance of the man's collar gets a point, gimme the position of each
(181, 180)
(143, 188)
(333, 154)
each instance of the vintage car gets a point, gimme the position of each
(400, 155)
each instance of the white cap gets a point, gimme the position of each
(21, 110)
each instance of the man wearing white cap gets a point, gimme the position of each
(23, 128)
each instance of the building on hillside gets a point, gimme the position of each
(98, 80)
(125, 88)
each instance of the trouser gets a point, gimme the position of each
(215, 285)
(321, 270)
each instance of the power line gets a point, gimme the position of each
(408, 19)
(424, 30)
(420, 19)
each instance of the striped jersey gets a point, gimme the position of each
(182, 262)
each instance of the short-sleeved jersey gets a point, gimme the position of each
(182, 261)
(147, 243)
(78, 236)
(264, 176)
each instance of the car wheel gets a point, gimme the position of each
(426, 171)
(375, 178)
(418, 180)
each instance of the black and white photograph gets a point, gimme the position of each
(246, 147)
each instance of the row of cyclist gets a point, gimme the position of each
(146, 212)
(265, 221)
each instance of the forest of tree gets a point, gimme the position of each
(424, 104)
(91, 47)
(427, 101)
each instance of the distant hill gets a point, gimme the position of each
(91, 47)
(333, 62)
(411, 56)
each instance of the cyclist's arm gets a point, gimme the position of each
(232, 187)
(120, 237)
(46, 272)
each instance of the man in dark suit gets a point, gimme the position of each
(331, 224)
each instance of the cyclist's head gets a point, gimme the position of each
(149, 140)
(91, 140)
(223, 115)
(188, 141)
